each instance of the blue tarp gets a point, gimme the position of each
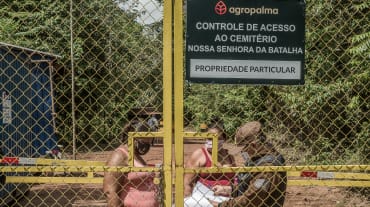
(25, 84)
(26, 121)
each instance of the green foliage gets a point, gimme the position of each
(117, 65)
(234, 105)
(325, 118)
(361, 44)
(329, 113)
(112, 69)
(363, 143)
(7, 29)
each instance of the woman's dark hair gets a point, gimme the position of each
(217, 123)
(135, 125)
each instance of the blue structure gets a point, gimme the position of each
(27, 126)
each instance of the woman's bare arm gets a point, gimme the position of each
(113, 181)
(197, 159)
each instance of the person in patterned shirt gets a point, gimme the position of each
(262, 189)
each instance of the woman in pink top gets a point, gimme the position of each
(134, 189)
(200, 188)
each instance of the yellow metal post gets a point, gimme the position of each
(178, 102)
(130, 145)
(167, 102)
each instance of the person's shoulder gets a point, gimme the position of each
(118, 157)
(122, 148)
(197, 156)
(198, 152)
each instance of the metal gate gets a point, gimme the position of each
(114, 58)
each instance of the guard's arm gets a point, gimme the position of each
(258, 190)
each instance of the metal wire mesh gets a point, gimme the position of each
(74, 73)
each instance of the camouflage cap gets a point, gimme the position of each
(247, 132)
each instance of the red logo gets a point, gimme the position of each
(220, 8)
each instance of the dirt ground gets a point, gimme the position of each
(86, 195)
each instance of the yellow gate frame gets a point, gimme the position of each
(363, 178)
(176, 71)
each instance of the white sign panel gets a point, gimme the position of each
(7, 108)
(245, 69)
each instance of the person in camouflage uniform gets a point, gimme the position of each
(262, 189)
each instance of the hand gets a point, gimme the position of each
(222, 190)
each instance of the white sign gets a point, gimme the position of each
(245, 69)
(7, 108)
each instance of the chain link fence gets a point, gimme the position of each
(75, 73)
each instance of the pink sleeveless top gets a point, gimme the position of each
(212, 179)
(139, 190)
